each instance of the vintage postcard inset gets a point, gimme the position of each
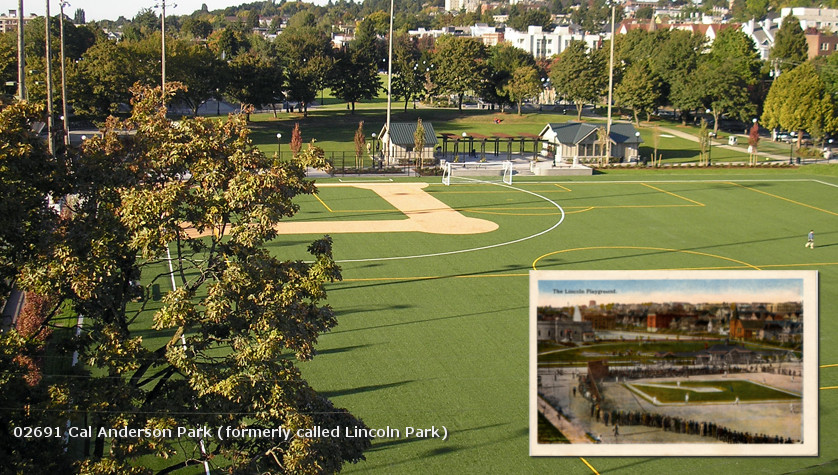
(656, 363)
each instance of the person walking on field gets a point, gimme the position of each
(810, 242)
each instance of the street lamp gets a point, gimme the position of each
(279, 145)
(637, 138)
(374, 144)
(710, 141)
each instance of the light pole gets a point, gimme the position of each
(21, 56)
(637, 138)
(374, 144)
(710, 142)
(610, 87)
(279, 145)
(162, 5)
(50, 123)
(65, 119)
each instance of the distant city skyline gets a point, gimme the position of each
(96, 10)
(559, 293)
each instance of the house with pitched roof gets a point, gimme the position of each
(579, 142)
(402, 141)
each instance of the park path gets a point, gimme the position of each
(737, 148)
(574, 433)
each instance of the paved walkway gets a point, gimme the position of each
(738, 148)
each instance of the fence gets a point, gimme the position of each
(344, 163)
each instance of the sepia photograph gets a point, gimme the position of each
(643, 362)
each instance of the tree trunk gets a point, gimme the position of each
(460, 102)
(519, 107)
(579, 107)
(636, 118)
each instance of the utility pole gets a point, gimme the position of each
(162, 5)
(21, 57)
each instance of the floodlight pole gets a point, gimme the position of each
(50, 124)
(385, 138)
(610, 88)
(66, 118)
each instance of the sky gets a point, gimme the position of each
(555, 292)
(95, 10)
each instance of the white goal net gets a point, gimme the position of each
(476, 172)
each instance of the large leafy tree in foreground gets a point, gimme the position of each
(191, 203)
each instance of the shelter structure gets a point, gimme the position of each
(401, 142)
(575, 142)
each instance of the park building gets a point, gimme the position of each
(558, 329)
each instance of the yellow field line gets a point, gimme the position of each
(589, 465)
(642, 248)
(324, 204)
(432, 277)
(828, 365)
(672, 194)
(829, 387)
(807, 264)
(785, 199)
(562, 187)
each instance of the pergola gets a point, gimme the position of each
(497, 138)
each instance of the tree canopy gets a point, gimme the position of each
(194, 203)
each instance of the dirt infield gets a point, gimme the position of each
(425, 214)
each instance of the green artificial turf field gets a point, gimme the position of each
(433, 328)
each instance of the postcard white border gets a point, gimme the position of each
(809, 446)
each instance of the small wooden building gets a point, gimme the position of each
(402, 142)
(578, 142)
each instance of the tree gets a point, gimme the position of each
(460, 66)
(419, 141)
(753, 143)
(197, 27)
(704, 143)
(254, 80)
(798, 101)
(306, 53)
(355, 72)
(578, 76)
(525, 84)
(504, 59)
(640, 89)
(203, 74)
(234, 325)
(296, 139)
(724, 91)
(520, 19)
(78, 17)
(408, 72)
(790, 47)
(27, 176)
(360, 144)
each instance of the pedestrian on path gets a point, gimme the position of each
(810, 242)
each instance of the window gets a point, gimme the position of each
(824, 47)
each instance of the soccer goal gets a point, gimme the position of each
(453, 173)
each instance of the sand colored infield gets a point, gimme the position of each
(425, 214)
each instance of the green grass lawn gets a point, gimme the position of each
(433, 330)
(721, 392)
